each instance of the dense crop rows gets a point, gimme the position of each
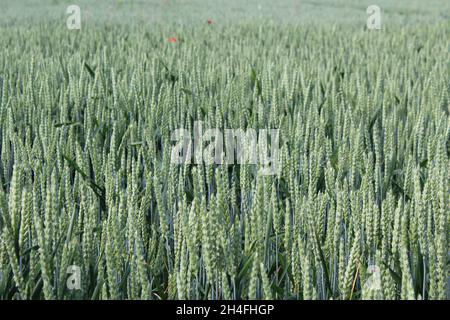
(86, 177)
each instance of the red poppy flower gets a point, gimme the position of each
(172, 39)
(210, 21)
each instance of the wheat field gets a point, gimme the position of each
(89, 195)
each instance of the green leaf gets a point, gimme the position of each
(89, 69)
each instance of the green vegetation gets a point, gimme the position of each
(86, 177)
